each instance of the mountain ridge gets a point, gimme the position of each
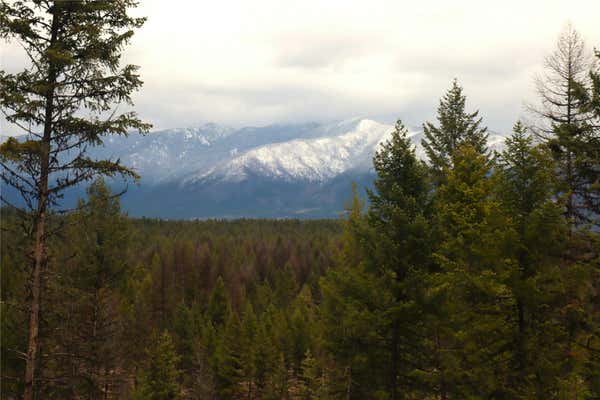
(213, 171)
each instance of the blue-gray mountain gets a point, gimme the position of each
(277, 171)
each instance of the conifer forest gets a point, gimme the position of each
(469, 274)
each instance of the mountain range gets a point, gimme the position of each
(276, 171)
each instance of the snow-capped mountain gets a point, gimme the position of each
(274, 171)
(166, 154)
(340, 148)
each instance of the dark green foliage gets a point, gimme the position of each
(180, 277)
(470, 289)
(369, 301)
(473, 233)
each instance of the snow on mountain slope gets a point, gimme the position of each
(342, 147)
(315, 159)
(169, 155)
(164, 155)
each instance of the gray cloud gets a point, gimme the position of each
(267, 61)
(322, 51)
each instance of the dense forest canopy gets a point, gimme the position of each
(473, 275)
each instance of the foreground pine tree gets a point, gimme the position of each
(75, 49)
(401, 248)
(472, 231)
(456, 128)
(371, 315)
(525, 184)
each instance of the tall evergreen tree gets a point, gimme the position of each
(378, 290)
(401, 247)
(567, 126)
(75, 49)
(473, 231)
(456, 127)
(525, 186)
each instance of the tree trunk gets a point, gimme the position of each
(36, 289)
(39, 229)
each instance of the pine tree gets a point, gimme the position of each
(248, 356)
(356, 328)
(160, 378)
(456, 128)
(353, 222)
(75, 49)
(266, 357)
(589, 101)
(228, 367)
(277, 387)
(190, 345)
(90, 284)
(379, 283)
(401, 179)
(398, 217)
(525, 186)
(528, 182)
(566, 125)
(304, 326)
(285, 285)
(473, 232)
(311, 385)
(354, 315)
(218, 307)
(158, 292)
(12, 291)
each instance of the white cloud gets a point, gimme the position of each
(258, 62)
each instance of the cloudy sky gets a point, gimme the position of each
(260, 62)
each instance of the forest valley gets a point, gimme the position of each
(473, 275)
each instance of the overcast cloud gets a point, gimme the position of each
(259, 62)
